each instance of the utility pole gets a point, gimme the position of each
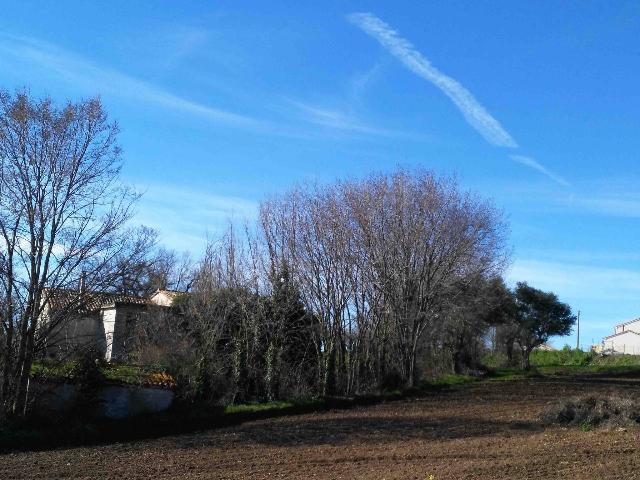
(578, 337)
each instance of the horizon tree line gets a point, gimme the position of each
(338, 289)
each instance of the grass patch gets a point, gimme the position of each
(565, 362)
(53, 371)
(259, 407)
(589, 361)
(593, 369)
(508, 374)
(115, 373)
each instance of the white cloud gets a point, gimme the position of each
(339, 120)
(81, 71)
(95, 78)
(531, 163)
(604, 296)
(361, 82)
(185, 216)
(624, 204)
(475, 114)
(578, 280)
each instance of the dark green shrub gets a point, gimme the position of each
(87, 373)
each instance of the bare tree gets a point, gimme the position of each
(304, 230)
(62, 218)
(146, 267)
(375, 260)
(422, 235)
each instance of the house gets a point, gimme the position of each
(104, 321)
(625, 339)
(164, 298)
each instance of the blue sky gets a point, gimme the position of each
(534, 104)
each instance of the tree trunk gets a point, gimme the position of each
(526, 364)
(509, 345)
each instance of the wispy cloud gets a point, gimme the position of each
(186, 216)
(475, 114)
(96, 78)
(185, 41)
(362, 81)
(531, 163)
(578, 281)
(611, 206)
(343, 121)
(605, 296)
(81, 71)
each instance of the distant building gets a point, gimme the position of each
(104, 321)
(625, 339)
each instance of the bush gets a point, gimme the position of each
(565, 357)
(88, 374)
(495, 360)
(618, 361)
(592, 411)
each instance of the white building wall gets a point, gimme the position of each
(627, 343)
(634, 326)
(109, 322)
(162, 298)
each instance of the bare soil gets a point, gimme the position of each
(487, 430)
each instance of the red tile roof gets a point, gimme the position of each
(60, 299)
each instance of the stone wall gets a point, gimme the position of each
(115, 401)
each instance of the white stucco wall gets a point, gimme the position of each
(627, 342)
(109, 322)
(162, 298)
(119, 330)
(634, 326)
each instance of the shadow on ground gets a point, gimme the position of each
(347, 429)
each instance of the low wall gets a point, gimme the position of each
(122, 402)
(114, 401)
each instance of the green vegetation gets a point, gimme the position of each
(53, 371)
(507, 374)
(566, 361)
(570, 361)
(259, 407)
(127, 374)
(565, 357)
(586, 426)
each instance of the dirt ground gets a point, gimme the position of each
(488, 430)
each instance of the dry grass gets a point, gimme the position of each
(591, 411)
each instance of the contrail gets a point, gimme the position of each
(531, 163)
(477, 116)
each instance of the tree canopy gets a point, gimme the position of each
(539, 316)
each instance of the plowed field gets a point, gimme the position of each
(485, 430)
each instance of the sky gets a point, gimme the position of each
(223, 103)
